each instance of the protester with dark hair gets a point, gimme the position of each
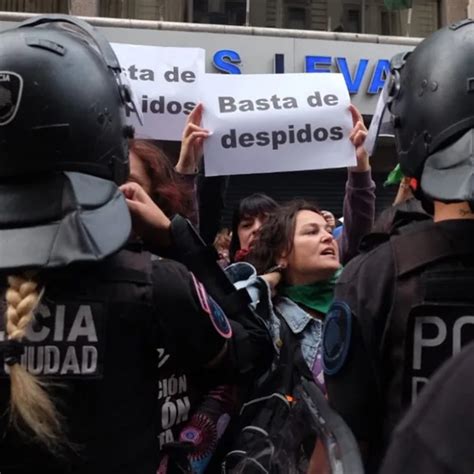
(180, 388)
(203, 402)
(295, 244)
(359, 205)
(395, 304)
(249, 215)
(84, 311)
(206, 399)
(299, 258)
(152, 169)
(174, 189)
(182, 189)
(330, 218)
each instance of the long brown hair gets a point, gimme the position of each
(171, 195)
(277, 234)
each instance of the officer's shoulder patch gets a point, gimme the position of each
(219, 319)
(216, 314)
(336, 337)
(202, 294)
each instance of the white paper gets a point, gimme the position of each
(264, 123)
(165, 83)
(380, 123)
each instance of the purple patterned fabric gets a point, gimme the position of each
(318, 372)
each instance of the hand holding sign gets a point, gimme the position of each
(358, 137)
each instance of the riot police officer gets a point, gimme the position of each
(402, 308)
(84, 312)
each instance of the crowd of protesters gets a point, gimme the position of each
(130, 346)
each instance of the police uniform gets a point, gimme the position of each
(97, 332)
(105, 310)
(403, 304)
(404, 308)
(248, 355)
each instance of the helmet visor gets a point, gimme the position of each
(59, 219)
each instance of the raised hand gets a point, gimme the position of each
(192, 143)
(357, 137)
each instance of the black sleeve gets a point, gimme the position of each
(250, 349)
(190, 325)
(212, 192)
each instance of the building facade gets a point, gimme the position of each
(352, 16)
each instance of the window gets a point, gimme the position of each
(36, 6)
(200, 12)
(385, 23)
(235, 11)
(296, 18)
(229, 12)
(352, 23)
(351, 19)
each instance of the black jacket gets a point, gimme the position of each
(97, 332)
(400, 294)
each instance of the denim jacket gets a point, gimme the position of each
(307, 328)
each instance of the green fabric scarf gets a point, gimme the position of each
(317, 296)
(394, 177)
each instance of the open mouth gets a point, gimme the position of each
(329, 251)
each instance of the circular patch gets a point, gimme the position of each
(11, 88)
(336, 337)
(219, 319)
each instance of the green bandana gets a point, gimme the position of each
(394, 177)
(317, 296)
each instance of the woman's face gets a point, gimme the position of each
(138, 173)
(315, 255)
(248, 229)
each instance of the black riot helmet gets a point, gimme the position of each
(61, 104)
(432, 95)
(63, 145)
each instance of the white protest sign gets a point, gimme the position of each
(263, 123)
(165, 82)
